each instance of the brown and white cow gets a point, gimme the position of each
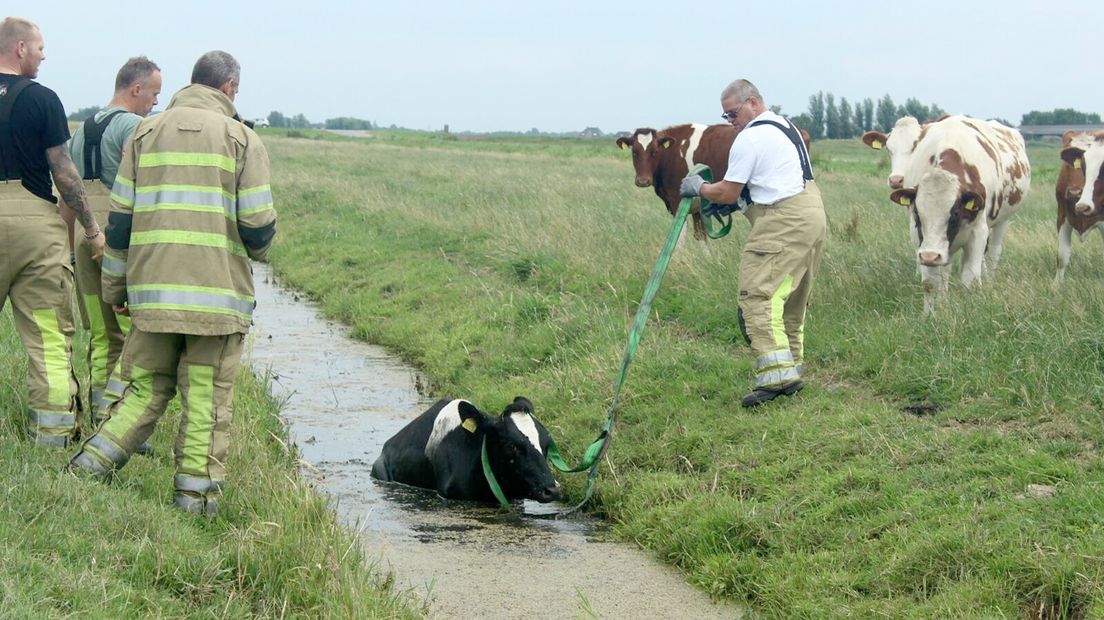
(663, 158)
(1080, 204)
(964, 181)
(900, 142)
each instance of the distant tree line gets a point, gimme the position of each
(84, 114)
(348, 122)
(299, 121)
(1060, 116)
(827, 119)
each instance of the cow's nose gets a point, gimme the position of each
(643, 182)
(896, 181)
(931, 259)
(1083, 208)
(549, 493)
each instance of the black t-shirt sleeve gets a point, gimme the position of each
(51, 115)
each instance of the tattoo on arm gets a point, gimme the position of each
(69, 184)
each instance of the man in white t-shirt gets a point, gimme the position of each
(770, 177)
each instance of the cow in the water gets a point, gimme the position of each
(441, 449)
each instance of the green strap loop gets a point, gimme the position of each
(601, 444)
(707, 221)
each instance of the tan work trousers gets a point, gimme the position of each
(150, 369)
(779, 261)
(106, 330)
(34, 274)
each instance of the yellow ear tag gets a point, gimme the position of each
(905, 201)
(1077, 163)
(876, 145)
(666, 145)
(622, 145)
(970, 206)
(469, 425)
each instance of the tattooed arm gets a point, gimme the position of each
(69, 185)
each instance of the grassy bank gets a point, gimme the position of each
(505, 269)
(72, 547)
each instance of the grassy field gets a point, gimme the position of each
(506, 267)
(73, 547)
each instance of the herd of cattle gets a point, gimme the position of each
(961, 180)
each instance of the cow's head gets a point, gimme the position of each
(647, 148)
(940, 206)
(517, 448)
(900, 142)
(1085, 159)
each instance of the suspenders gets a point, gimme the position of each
(93, 134)
(7, 101)
(799, 144)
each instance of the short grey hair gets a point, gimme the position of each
(13, 30)
(137, 69)
(742, 90)
(214, 69)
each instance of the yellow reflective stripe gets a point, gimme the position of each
(55, 357)
(254, 200)
(192, 289)
(189, 308)
(113, 265)
(210, 160)
(97, 348)
(184, 237)
(778, 307)
(254, 190)
(200, 422)
(137, 400)
(169, 187)
(122, 191)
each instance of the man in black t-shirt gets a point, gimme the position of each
(34, 248)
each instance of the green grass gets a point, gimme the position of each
(505, 268)
(74, 547)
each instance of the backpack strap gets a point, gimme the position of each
(802, 154)
(93, 135)
(7, 102)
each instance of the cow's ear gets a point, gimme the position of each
(972, 201)
(666, 142)
(1073, 156)
(469, 416)
(520, 404)
(1067, 137)
(905, 197)
(624, 142)
(874, 139)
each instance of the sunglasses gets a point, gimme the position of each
(732, 113)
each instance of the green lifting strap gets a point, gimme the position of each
(599, 446)
(707, 221)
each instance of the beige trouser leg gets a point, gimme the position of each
(107, 330)
(152, 366)
(33, 274)
(779, 261)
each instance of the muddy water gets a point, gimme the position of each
(345, 398)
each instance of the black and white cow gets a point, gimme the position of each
(441, 450)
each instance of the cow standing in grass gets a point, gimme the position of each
(662, 158)
(1079, 191)
(662, 167)
(961, 186)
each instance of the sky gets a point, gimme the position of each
(484, 65)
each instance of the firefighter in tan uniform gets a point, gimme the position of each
(770, 176)
(190, 206)
(96, 149)
(34, 251)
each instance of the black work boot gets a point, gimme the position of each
(760, 395)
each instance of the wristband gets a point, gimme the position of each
(93, 235)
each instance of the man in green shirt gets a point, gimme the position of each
(97, 148)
